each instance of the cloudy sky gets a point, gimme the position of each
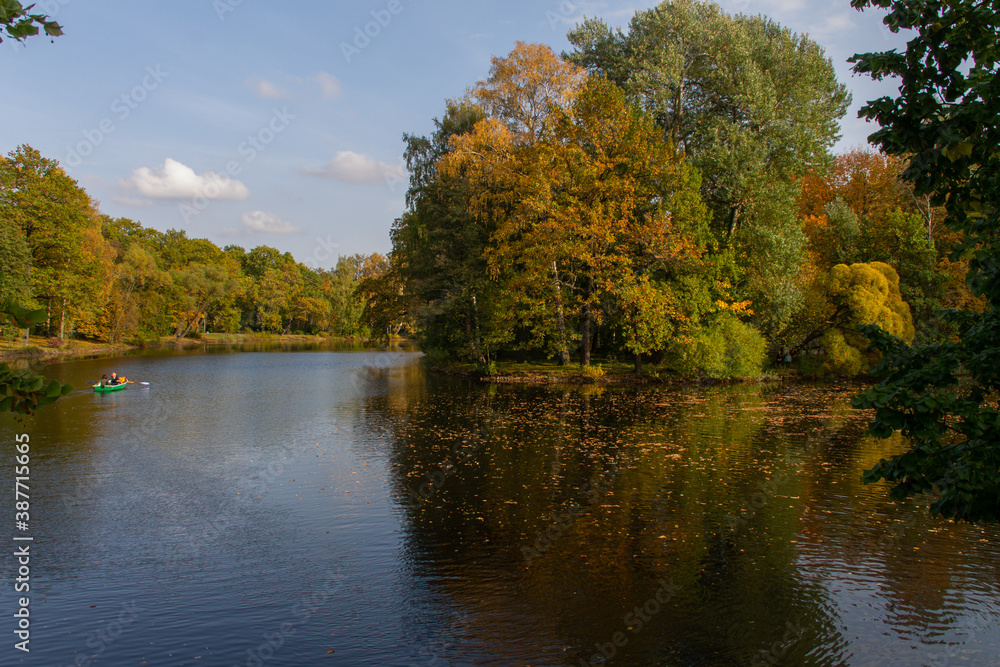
(254, 123)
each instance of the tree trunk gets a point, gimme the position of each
(62, 322)
(734, 218)
(475, 326)
(585, 324)
(476, 357)
(678, 106)
(190, 325)
(638, 363)
(930, 221)
(560, 318)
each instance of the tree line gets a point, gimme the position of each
(111, 279)
(665, 193)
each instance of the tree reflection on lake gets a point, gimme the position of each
(553, 518)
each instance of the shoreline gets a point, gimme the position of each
(40, 349)
(534, 374)
(572, 376)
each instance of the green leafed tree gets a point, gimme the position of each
(943, 397)
(60, 224)
(18, 22)
(438, 246)
(381, 291)
(200, 286)
(15, 259)
(751, 104)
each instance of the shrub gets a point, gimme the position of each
(144, 338)
(840, 357)
(726, 348)
(594, 371)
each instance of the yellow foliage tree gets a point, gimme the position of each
(588, 202)
(837, 302)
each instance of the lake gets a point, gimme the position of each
(329, 507)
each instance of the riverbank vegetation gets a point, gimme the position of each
(943, 396)
(666, 194)
(111, 280)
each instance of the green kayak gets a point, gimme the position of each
(109, 387)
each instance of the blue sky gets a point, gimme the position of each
(256, 123)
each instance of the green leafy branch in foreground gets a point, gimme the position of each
(951, 423)
(17, 23)
(25, 392)
(944, 397)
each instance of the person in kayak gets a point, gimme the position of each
(114, 379)
(104, 380)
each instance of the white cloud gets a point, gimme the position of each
(177, 181)
(329, 84)
(351, 167)
(266, 89)
(267, 223)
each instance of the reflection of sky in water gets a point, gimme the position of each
(869, 611)
(243, 493)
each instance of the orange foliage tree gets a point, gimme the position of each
(592, 208)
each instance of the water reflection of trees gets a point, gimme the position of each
(572, 506)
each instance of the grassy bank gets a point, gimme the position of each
(601, 372)
(42, 348)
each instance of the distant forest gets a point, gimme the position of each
(111, 279)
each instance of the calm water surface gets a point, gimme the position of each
(345, 508)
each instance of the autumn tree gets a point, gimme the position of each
(524, 87)
(752, 105)
(866, 180)
(23, 392)
(198, 286)
(840, 301)
(134, 294)
(62, 230)
(593, 210)
(438, 245)
(385, 306)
